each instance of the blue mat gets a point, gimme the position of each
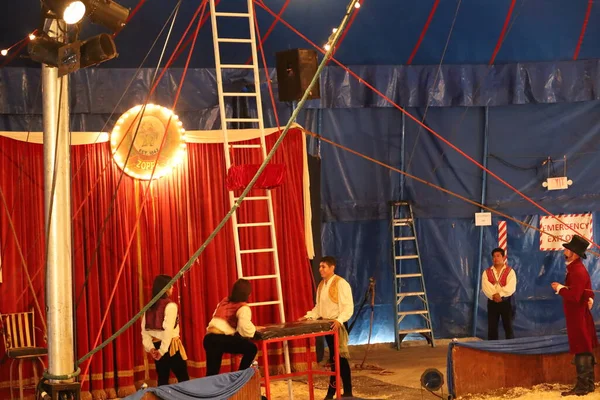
(218, 387)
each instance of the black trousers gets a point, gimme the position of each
(495, 311)
(217, 345)
(345, 373)
(166, 364)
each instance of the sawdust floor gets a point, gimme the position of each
(391, 374)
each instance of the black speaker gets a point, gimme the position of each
(295, 70)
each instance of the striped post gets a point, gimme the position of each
(502, 236)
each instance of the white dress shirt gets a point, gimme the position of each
(245, 327)
(327, 309)
(166, 335)
(490, 290)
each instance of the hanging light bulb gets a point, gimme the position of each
(334, 30)
(357, 5)
(327, 47)
(4, 52)
(31, 36)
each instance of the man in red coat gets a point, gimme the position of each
(576, 293)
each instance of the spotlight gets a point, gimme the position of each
(97, 50)
(48, 51)
(432, 380)
(73, 56)
(71, 11)
(108, 14)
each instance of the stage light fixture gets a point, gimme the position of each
(432, 379)
(51, 52)
(71, 11)
(97, 50)
(108, 14)
(72, 56)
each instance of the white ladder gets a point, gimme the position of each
(247, 15)
(408, 267)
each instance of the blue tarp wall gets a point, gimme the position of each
(528, 112)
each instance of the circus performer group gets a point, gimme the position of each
(231, 330)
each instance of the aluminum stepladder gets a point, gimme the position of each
(246, 15)
(409, 285)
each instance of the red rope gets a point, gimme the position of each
(409, 115)
(131, 14)
(264, 60)
(132, 236)
(583, 29)
(423, 32)
(135, 10)
(189, 39)
(261, 42)
(503, 33)
(22, 43)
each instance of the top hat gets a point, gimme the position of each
(577, 245)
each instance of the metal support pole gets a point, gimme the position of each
(57, 207)
(483, 197)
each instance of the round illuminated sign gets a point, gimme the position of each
(136, 144)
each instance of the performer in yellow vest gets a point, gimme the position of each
(334, 301)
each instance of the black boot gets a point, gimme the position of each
(582, 365)
(589, 376)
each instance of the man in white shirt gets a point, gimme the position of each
(499, 283)
(334, 302)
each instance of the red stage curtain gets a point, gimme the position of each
(180, 212)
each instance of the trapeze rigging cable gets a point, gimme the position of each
(432, 185)
(122, 172)
(201, 9)
(239, 200)
(434, 87)
(433, 132)
(171, 16)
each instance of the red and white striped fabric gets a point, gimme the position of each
(502, 236)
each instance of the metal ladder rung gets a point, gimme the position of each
(246, 146)
(242, 120)
(252, 198)
(408, 275)
(407, 331)
(264, 303)
(410, 294)
(231, 14)
(251, 224)
(408, 257)
(234, 40)
(257, 251)
(404, 238)
(403, 222)
(240, 94)
(248, 43)
(237, 66)
(416, 312)
(256, 277)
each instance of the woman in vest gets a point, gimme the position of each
(160, 335)
(230, 329)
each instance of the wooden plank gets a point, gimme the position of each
(477, 371)
(27, 331)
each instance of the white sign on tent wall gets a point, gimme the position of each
(564, 230)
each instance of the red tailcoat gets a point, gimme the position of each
(580, 323)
